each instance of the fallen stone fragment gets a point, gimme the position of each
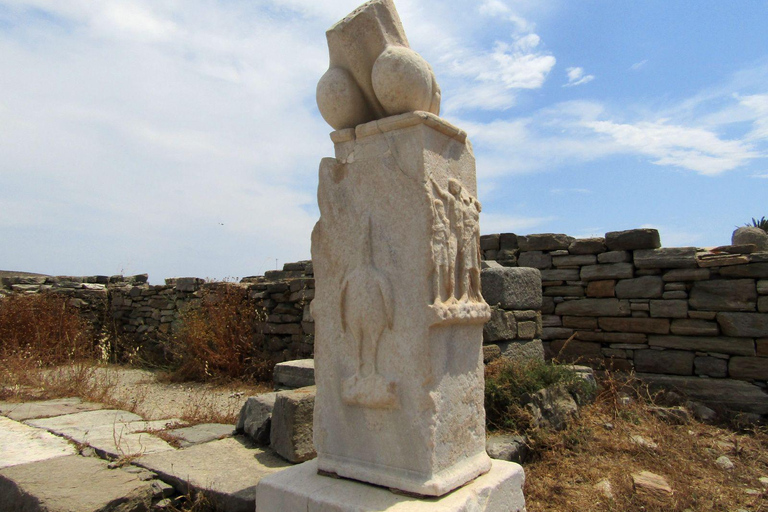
(552, 407)
(672, 415)
(509, 448)
(292, 422)
(644, 443)
(295, 374)
(651, 484)
(604, 487)
(256, 417)
(724, 462)
(22, 444)
(73, 483)
(701, 412)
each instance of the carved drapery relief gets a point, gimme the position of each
(367, 309)
(456, 253)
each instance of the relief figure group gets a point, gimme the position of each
(455, 244)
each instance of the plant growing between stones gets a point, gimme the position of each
(761, 223)
(509, 384)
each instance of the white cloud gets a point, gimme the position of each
(494, 76)
(493, 7)
(695, 149)
(576, 76)
(638, 65)
(758, 106)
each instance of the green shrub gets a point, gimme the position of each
(509, 384)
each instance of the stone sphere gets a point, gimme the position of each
(402, 81)
(340, 100)
(751, 235)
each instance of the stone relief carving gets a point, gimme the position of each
(373, 72)
(456, 253)
(367, 309)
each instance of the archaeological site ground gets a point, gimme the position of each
(411, 364)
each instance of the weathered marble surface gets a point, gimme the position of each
(373, 72)
(301, 488)
(398, 310)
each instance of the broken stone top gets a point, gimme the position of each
(373, 72)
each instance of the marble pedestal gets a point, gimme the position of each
(398, 311)
(301, 488)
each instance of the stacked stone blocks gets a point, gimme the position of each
(624, 302)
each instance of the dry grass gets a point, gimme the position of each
(599, 446)
(43, 329)
(46, 349)
(216, 341)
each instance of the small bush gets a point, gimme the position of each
(509, 383)
(43, 328)
(216, 340)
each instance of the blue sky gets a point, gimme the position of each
(181, 138)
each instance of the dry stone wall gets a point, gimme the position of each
(625, 302)
(146, 316)
(620, 301)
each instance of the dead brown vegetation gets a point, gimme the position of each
(46, 348)
(599, 446)
(217, 340)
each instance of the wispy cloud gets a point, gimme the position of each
(490, 78)
(758, 105)
(638, 65)
(576, 76)
(679, 146)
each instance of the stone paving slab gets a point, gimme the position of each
(113, 432)
(45, 409)
(227, 470)
(22, 444)
(202, 433)
(73, 484)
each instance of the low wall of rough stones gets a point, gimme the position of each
(625, 302)
(147, 316)
(619, 301)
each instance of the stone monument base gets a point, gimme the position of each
(301, 488)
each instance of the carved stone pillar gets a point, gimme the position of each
(398, 311)
(398, 308)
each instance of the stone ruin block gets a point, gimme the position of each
(292, 419)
